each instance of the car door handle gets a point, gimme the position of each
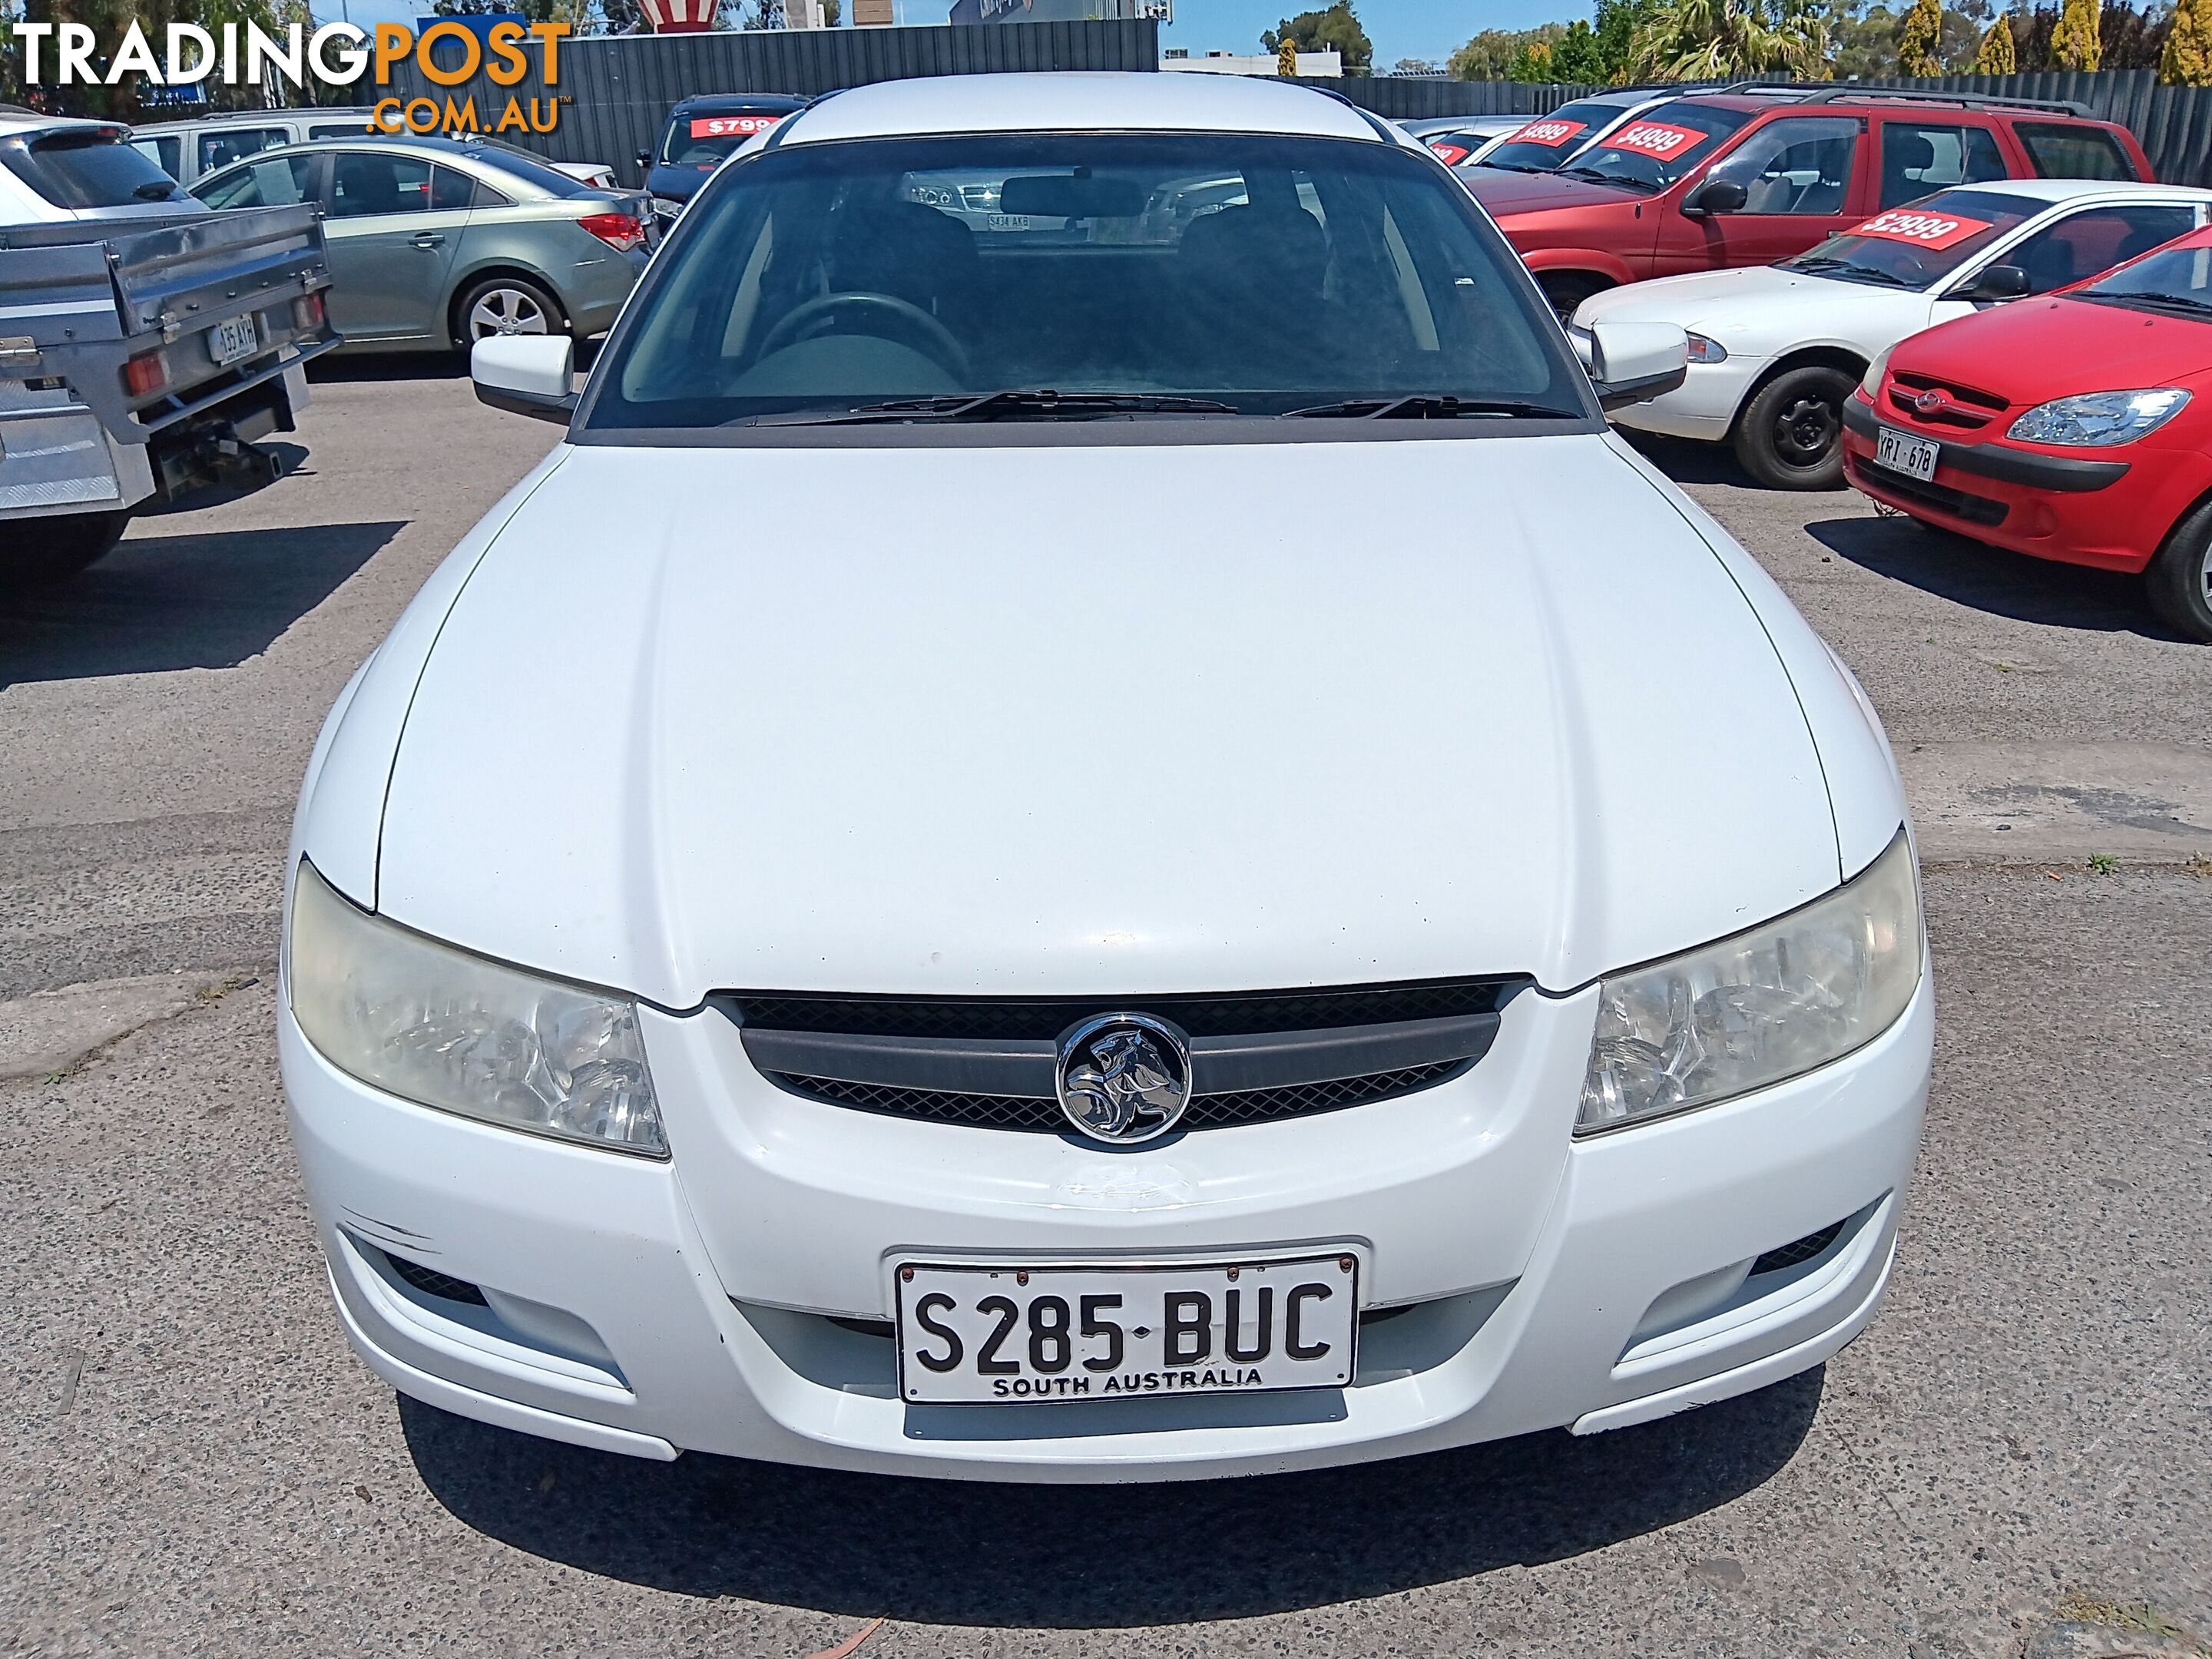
(427, 240)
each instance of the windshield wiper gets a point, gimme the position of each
(1015, 403)
(1828, 265)
(1433, 406)
(153, 192)
(2178, 301)
(1624, 181)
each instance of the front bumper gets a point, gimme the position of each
(2094, 509)
(710, 1303)
(1704, 406)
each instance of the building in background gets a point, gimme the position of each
(873, 14)
(1326, 64)
(1062, 11)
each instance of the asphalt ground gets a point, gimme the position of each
(196, 1464)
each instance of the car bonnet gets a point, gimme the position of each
(1071, 718)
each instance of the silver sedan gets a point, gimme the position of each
(436, 243)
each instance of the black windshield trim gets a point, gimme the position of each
(1153, 430)
(1158, 432)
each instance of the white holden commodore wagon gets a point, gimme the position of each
(1088, 827)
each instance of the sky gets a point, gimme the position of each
(1430, 29)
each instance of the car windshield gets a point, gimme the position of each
(1548, 140)
(86, 167)
(1659, 146)
(521, 164)
(1920, 243)
(2174, 280)
(702, 140)
(1072, 275)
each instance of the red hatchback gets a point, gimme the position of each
(2076, 427)
(1715, 180)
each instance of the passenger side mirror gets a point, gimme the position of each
(526, 375)
(1999, 282)
(644, 159)
(1715, 196)
(1635, 362)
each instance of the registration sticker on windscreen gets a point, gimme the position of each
(1656, 138)
(1933, 230)
(1550, 134)
(731, 126)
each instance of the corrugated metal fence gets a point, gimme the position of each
(2173, 123)
(615, 92)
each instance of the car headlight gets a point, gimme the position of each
(1870, 382)
(445, 1029)
(2098, 419)
(1760, 1007)
(1703, 351)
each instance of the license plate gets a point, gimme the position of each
(229, 341)
(1007, 221)
(993, 1335)
(1900, 452)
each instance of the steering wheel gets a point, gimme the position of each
(951, 355)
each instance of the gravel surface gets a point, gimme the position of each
(198, 1465)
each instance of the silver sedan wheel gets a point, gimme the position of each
(505, 310)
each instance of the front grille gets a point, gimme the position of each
(1045, 1117)
(1970, 409)
(1939, 498)
(1045, 1018)
(1803, 1249)
(431, 1282)
(1257, 1057)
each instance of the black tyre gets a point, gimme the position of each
(1567, 289)
(45, 551)
(506, 305)
(1790, 435)
(2180, 578)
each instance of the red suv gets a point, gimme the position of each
(1746, 179)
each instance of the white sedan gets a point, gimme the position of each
(933, 891)
(1776, 349)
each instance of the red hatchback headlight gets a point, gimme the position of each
(618, 231)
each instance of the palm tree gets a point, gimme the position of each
(1722, 40)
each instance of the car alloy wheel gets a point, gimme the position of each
(505, 311)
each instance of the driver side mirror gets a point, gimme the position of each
(1715, 196)
(526, 375)
(1999, 282)
(644, 159)
(1635, 362)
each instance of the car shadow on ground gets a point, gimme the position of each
(1069, 1558)
(1989, 578)
(193, 601)
(1688, 462)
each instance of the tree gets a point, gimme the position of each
(1615, 31)
(1286, 58)
(1335, 30)
(2187, 59)
(1920, 40)
(1727, 39)
(1996, 56)
(1532, 62)
(2077, 43)
(1576, 59)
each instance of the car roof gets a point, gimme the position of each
(256, 118)
(2053, 191)
(15, 122)
(1084, 101)
(741, 103)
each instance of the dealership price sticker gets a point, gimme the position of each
(731, 126)
(1935, 230)
(1550, 134)
(1653, 138)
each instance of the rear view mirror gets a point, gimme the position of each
(1715, 196)
(526, 375)
(1999, 282)
(1071, 196)
(1635, 362)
